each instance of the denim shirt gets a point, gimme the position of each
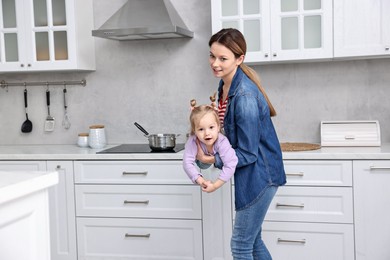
(250, 130)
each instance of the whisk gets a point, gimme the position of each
(66, 121)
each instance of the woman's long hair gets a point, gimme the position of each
(235, 41)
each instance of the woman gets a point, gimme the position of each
(246, 112)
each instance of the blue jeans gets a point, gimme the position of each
(246, 242)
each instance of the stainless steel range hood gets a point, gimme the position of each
(144, 19)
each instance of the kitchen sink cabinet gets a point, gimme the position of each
(61, 205)
(278, 30)
(372, 209)
(137, 210)
(46, 35)
(361, 28)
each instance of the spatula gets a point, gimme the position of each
(27, 125)
(49, 123)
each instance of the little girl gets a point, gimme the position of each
(206, 133)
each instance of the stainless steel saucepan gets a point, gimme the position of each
(159, 142)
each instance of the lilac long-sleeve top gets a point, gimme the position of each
(222, 146)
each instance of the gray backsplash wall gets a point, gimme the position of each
(151, 82)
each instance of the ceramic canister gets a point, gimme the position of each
(97, 136)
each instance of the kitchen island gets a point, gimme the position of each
(24, 214)
(149, 196)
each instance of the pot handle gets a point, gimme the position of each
(141, 128)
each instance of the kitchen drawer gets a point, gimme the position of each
(286, 240)
(312, 204)
(318, 173)
(130, 172)
(119, 238)
(146, 201)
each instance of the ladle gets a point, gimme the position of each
(27, 125)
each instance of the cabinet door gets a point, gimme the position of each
(301, 29)
(46, 35)
(12, 40)
(62, 212)
(217, 219)
(361, 28)
(372, 209)
(251, 17)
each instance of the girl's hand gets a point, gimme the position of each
(209, 186)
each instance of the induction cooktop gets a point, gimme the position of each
(139, 148)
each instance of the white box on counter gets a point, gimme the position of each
(350, 133)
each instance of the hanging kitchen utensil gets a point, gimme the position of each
(27, 124)
(66, 121)
(49, 123)
(159, 142)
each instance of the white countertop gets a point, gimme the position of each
(73, 152)
(16, 184)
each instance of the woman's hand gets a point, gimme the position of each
(202, 157)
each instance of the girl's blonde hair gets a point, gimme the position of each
(235, 41)
(200, 111)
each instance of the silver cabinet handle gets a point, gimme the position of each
(134, 173)
(387, 48)
(379, 167)
(136, 235)
(349, 137)
(266, 55)
(294, 174)
(136, 202)
(290, 205)
(299, 241)
(275, 54)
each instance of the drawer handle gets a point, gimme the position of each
(294, 174)
(136, 202)
(290, 205)
(135, 173)
(135, 235)
(349, 137)
(379, 167)
(299, 241)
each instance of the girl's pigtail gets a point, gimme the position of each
(193, 104)
(213, 98)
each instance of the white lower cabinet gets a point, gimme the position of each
(372, 209)
(137, 210)
(312, 216)
(62, 212)
(217, 219)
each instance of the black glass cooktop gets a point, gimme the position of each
(139, 148)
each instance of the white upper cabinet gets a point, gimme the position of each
(361, 28)
(278, 30)
(46, 35)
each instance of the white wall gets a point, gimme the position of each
(151, 82)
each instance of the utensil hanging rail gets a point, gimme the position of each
(5, 84)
